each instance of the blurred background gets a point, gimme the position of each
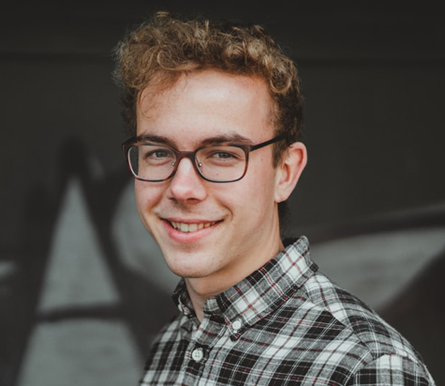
(83, 288)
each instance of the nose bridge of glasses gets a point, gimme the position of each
(191, 155)
(180, 155)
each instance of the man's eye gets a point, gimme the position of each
(160, 153)
(156, 155)
(224, 155)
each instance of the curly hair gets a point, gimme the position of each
(162, 49)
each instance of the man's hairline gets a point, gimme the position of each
(158, 87)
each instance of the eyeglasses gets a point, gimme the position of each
(216, 163)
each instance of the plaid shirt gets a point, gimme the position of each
(285, 324)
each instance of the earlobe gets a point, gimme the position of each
(289, 171)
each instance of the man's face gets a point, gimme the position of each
(214, 234)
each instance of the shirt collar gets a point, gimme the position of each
(261, 292)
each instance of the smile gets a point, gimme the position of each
(188, 228)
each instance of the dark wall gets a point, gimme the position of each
(373, 77)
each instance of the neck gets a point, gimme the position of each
(201, 289)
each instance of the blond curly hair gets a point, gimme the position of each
(162, 49)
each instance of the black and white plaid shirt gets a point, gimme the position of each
(285, 324)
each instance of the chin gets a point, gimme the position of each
(189, 273)
(187, 269)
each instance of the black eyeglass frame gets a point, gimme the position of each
(135, 142)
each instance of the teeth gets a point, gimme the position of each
(187, 228)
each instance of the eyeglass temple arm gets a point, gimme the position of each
(270, 141)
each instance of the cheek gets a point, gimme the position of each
(139, 193)
(254, 196)
(262, 180)
(146, 196)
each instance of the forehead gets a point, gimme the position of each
(207, 104)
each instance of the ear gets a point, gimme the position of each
(289, 170)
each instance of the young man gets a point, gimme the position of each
(216, 113)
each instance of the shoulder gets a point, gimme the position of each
(384, 351)
(392, 369)
(356, 316)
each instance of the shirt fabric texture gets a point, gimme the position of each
(285, 324)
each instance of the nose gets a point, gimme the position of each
(186, 184)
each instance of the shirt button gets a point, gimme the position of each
(197, 354)
(236, 325)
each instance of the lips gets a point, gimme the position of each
(190, 227)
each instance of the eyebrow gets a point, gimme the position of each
(230, 138)
(155, 138)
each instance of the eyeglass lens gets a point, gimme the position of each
(217, 163)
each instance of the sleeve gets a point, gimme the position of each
(392, 370)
